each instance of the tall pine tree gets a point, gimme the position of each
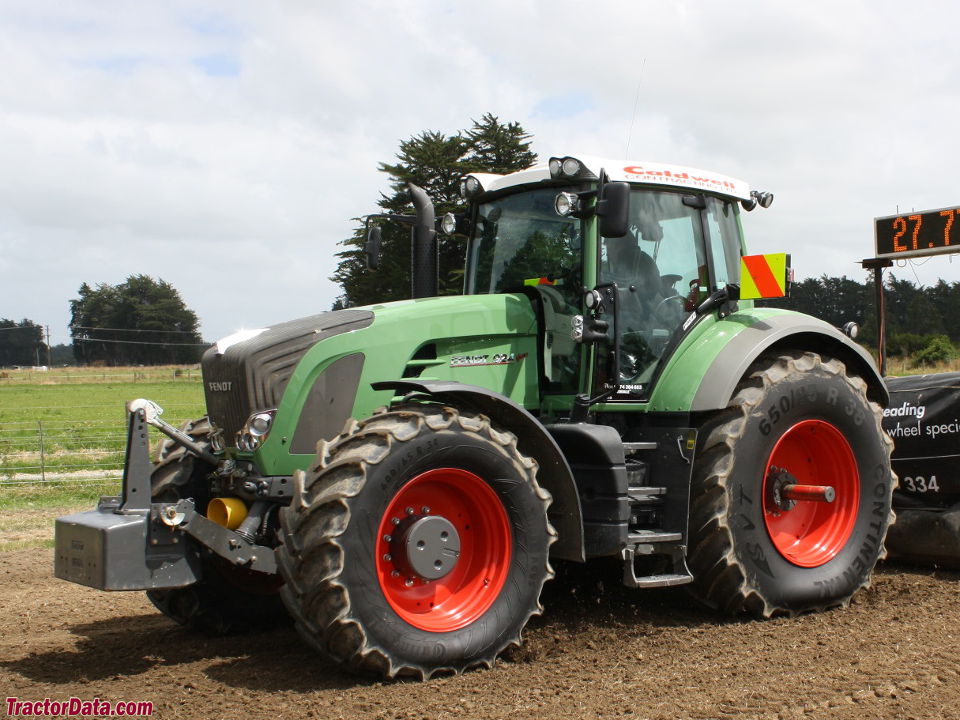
(435, 162)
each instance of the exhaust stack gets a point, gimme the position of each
(424, 271)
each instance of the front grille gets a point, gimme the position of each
(253, 374)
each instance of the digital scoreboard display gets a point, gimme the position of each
(931, 232)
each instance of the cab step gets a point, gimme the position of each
(647, 543)
(654, 581)
(644, 537)
(630, 448)
(645, 495)
(658, 468)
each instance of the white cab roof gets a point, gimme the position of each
(648, 173)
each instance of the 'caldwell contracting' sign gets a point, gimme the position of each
(684, 177)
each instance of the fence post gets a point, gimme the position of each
(43, 470)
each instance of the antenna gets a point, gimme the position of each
(636, 104)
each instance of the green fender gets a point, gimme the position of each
(706, 368)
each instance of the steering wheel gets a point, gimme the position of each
(677, 312)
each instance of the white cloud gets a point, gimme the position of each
(226, 146)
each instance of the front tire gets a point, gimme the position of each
(417, 544)
(226, 598)
(795, 419)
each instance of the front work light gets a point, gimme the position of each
(448, 224)
(570, 167)
(566, 203)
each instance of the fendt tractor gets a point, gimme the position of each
(399, 477)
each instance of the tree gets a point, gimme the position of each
(62, 354)
(938, 349)
(836, 300)
(21, 343)
(435, 162)
(914, 314)
(140, 321)
(945, 298)
(498, 148)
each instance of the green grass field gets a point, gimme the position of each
(53, 430)
(62, 439)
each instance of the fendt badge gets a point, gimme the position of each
(220, 386)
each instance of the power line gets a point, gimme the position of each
(90, 327)
(138, 342)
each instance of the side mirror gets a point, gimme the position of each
(372, 248)
(613, 209)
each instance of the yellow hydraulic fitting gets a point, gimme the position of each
(227, 511)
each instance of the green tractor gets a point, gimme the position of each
(399, 477)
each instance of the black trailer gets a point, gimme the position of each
(923, 417)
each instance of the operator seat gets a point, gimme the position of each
(638, 281)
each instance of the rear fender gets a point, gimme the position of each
(533, 440)
(703, 376)
(787, 332)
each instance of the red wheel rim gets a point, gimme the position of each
(470, 588)
(812, 533)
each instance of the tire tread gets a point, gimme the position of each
(312, 558)
(721, 581)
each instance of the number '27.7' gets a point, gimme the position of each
(912, 225)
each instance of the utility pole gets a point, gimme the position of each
(47, 328)
(877, 265)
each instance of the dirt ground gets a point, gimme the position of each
(600, 651)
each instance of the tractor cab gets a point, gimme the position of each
(658, 240)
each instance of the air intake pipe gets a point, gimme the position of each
(424, 270)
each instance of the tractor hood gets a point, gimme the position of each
(249, 370)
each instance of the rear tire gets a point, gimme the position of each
(751, 550)
(226, 598)
(420, 476)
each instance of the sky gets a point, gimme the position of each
(227, 147)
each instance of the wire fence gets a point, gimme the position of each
(36, 452)
(82, 375)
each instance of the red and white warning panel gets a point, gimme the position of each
(765, 276)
